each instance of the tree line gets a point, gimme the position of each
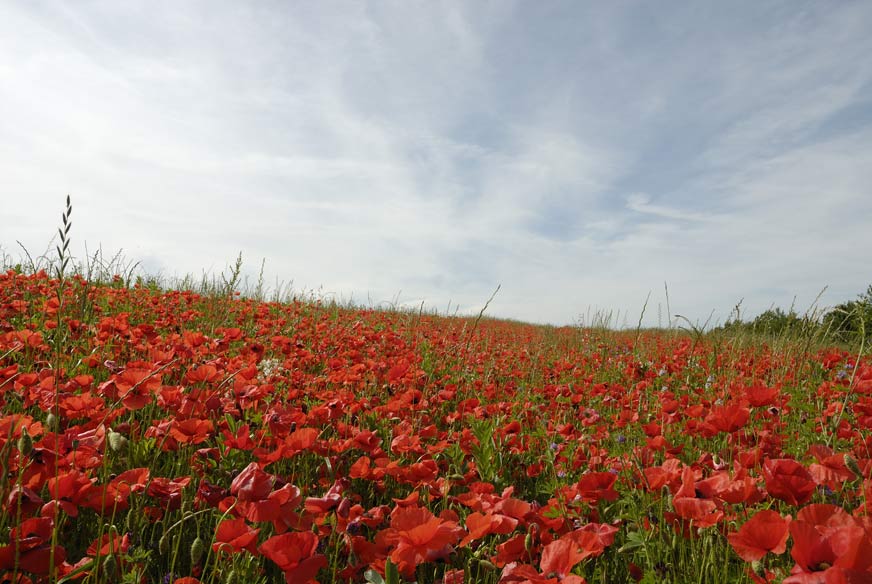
(849, 322)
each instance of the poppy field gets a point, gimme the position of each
(153, 435)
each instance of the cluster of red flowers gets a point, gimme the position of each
(330, 440)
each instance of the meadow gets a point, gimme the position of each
(179, 436)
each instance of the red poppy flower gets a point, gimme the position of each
(513, 507)
(759, 395)
(702, 512)
(191, 431)
(117, 492)
(479, 526)
(295, 554)
(559, 557)
(26, 498)
(252, 484)
(69, 490)
(604, 536)
(788, 480)
(211, 494)
(288, 500)
(594, 487)
(421, 537)
(84, 405)
(829, 545)
(137, 385)
(729, 418)
(203, 374)
(367, 441)
(766, 532)
(741, 490)
(234, 535)
(256, 501)
(361, 469)
(830, 468)
(240, 441)
(657, 477)
(825, 516)
(409, 501)
(110, 543)
(168, 491)
(31, 543)
(453, 577)
(320, 505)
(299, 440)
(515, 573)
(689, 482)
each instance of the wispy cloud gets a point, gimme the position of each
(641, 203)
(578, 155)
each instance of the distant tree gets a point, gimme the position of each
(849, 320)
(775, 321)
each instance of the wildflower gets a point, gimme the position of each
(829, 545)
(267, 367)
(31, 549)
(788, 480)
(296, 555)
(766, 532)
(421, 537)
(234, 535)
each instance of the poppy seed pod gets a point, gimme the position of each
(117, 442)
(110, 565)
(25, 443)
(851, 464)
(486, 564)
(198, 548)
(51, 422)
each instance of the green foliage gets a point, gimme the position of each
(392, 575)
(848, 323)
(776, 321)
(486, 451)
(851, 321)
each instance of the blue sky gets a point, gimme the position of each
(577, 154)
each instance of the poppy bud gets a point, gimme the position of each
(25, 443)
(110, 566)
(163, 545)
(528, 541)
(486, 565)
(198, 548)
(852, 465)
(51, 422)
(117, 442)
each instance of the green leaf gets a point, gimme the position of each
(635, 540)
(392, 575)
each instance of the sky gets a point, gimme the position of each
(584, 157)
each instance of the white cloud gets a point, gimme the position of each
(641, 203)
(440, 150)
